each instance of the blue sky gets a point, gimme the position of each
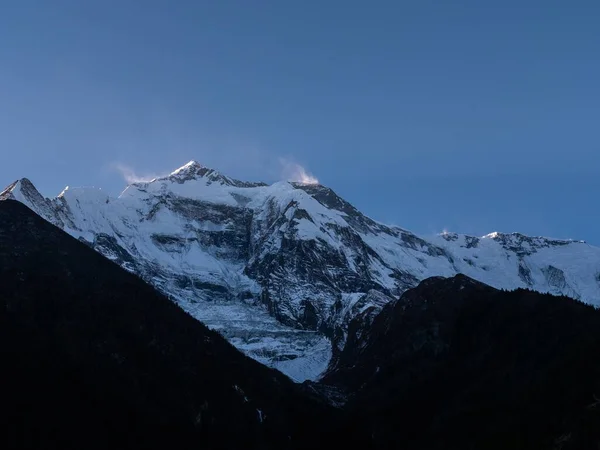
(469, 116)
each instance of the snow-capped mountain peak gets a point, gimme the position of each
(193, 170)
(189, 167)
(25, 192)
(282, 269)
(22, 187)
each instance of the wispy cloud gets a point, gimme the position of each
(292, 171)
(131, 176)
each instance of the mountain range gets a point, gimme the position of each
(290, 272)
(93, 357)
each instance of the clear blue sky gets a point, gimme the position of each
(471, 116)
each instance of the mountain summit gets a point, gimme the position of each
(282, 269)
(192, 166)
(193, 170)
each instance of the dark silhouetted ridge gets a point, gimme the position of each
(95, 358)
(457, 364)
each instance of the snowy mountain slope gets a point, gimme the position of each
(281, 269)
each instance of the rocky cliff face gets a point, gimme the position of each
(282, 269)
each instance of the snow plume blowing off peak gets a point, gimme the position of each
(289, 171)
(131, 176)
(292, 171)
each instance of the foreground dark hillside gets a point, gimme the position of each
(455, 364)
(92, 357)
